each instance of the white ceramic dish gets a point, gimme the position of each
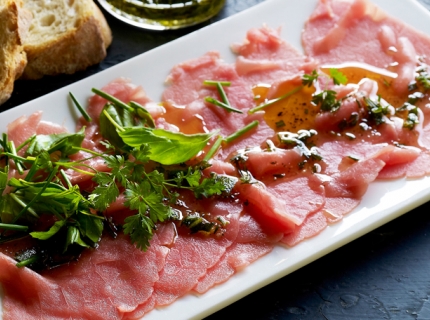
(383, 202)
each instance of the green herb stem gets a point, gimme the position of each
(16, 157)
(143, 113)
(29, 140)
(112, 99)
(22, 204)
(215, 83)
(222, 94)
(51, 176)
(80, 108)
(17, 161)
(82, 171)
(66, 179)
(27, 262)
(222, 105)
(119, 128)
(214, 148)
(14, 227)
(242, 131)
(3, 142)
(97, 154)
(270, 102)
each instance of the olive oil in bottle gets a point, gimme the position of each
(163, 14)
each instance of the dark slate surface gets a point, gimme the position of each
(382, 275)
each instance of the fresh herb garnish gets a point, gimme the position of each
(272, 101)
(423, 76)
(239, 161)
(134, 147)
(224, 103)
(411, 120)
(351, 122)
(327, 101)
(66, 143)
(242, 131)
(45, 193)
(166, 147)
(214, 148)
(83, 112)
(309, 79)
(151, 193)
(300, 141)
(221, 104)
(411, 115)
(376, 110)
(280, 124)
(337, 76)
(235, 135)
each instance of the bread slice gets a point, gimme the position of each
(65, 36)
(14, 21)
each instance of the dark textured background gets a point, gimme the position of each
(382, 275)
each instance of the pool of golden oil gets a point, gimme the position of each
(290, 114)
(357, 71)
(297, 111)
(166, 14)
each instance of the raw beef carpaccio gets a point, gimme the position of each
(295, 188)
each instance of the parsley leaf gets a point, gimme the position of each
(337, 76)
(140, 230)
(309, 79)
(376, 110)
(106, 191)
(215, 185)
(327, 101)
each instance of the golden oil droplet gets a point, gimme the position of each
(260, 92)
(293, 113)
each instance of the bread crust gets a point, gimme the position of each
(104, 27)
(74, 50)
(14, 22)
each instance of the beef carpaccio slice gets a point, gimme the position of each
(286, 198)
(103, 284)
(337, 33)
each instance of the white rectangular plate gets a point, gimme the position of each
(383, 202)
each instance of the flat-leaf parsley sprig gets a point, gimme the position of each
(150, 190)
(142, 167)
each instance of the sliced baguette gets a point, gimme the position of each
(14, 22)
(65, 36)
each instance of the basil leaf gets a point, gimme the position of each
(121, 117)
(63, 142)
(166, 147)
(143, 114)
